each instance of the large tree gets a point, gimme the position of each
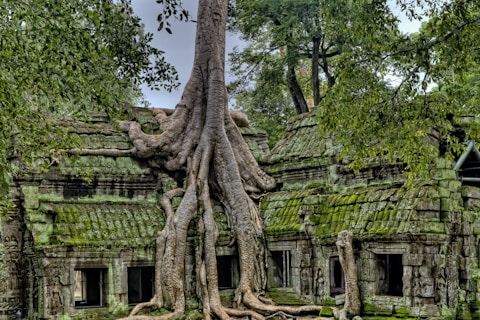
(201, 139)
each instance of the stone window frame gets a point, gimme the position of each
(102, 273)
(389, 261)
(287, 266)
(333, 265)
(232, 272)
(141, 289)
(293, 271)
(373, 249)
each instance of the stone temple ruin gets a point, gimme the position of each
(80, 241)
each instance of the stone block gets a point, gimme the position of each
(30, 194)
(427, 215)
(378, 309)
(41, 233)
(444, 174)
(443, 192)
(443, 163)
(428, 204)
(406, 204)
(434, 227)
(472, 203)
(412, 259)
(35, 217)
(449, 204)
(470, 192)
(451, 185)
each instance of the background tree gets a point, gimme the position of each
(395, 125)
(374, 83)
(64, 59)
(312, 39)
(266, 102)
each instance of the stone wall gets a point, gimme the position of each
(416, 247)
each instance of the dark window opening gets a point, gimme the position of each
(281, 269)
(90, 287)
(226, 269)
(390, 274)
(140, 284)
(77, 188)
(337, 278)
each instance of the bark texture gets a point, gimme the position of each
(201, 138)
(347, 260)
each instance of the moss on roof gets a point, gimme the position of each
(100, 165)
(93, 224)
(371, 213)
(301, 147)
(256, 141)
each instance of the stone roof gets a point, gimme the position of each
(304, 156)
(90, 200)
(320, 196)
(370, 213)
(103, 223)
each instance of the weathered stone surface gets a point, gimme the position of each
(416, 247)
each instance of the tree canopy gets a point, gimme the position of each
(312, 39)
(64, 59)
(397, 124)
(372, 84)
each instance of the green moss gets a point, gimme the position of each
(385, 318)
(328, 301)
(401, 312)
(30, 194)
(326, 312)
(371, 309)
(94, 314)
(226, 297)
(282, 297)
(464, 312)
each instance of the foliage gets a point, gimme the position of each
(267, 105)
(317, 39)
(386, 94)
(314, 38)
(64, 59)
(398, 126)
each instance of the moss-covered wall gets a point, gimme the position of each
(103, 212)
(431, 224)
(90, 211)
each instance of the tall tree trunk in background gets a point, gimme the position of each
(295, 91)
(315, 78)
(292, 83)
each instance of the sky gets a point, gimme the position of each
(179, 46)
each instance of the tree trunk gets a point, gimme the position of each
(347, 260)
(292, 83)
(295, 91)
(315, 78)
(201, 138)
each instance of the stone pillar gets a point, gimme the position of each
(11, 262)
